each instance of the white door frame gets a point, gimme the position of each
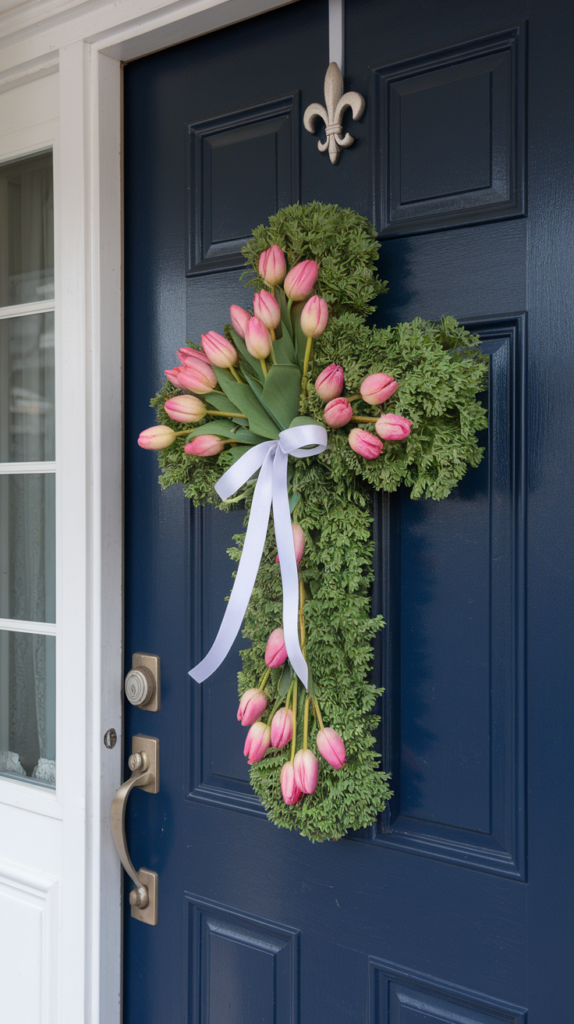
(86, 44)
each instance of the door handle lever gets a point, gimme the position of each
(144, 765)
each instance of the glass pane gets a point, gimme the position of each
(27, 389)
(28, 707)
(26, 230)
(27, 547)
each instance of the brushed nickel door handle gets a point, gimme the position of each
(144, 765)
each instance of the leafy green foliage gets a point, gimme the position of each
(440, 373)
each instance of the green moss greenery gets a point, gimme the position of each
(441, 373)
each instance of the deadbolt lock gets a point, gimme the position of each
(142, 683)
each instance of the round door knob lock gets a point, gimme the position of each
(139, 897)
(140, 686)
(138, 762)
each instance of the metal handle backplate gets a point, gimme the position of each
(145, 775)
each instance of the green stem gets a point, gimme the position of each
(364, 419)
(318, 713)
(233, 415)
(294, 740)
(264, 679)
(263, 367)
(236, 375)
(289, 304)
(354, 398)
(306, 722)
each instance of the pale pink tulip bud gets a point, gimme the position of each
(314, 316)
(251, 706)
(275, 652)
(377, 387)
(173, 377)
(257, 742)
(338, 412)
(306, 768)
(185, 408)
(330, 382)
(186, 353)
(289, 789)
(298, 542)
(281, 727)
(257, 338)
(267, 309)
(272, 266)
(331, 747)
(364, 443)
(300, 280)
(219, 350)
(205, 444)
(393, 428)
(239, 318)
(199, 378)
(155, 438)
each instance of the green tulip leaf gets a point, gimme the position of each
(236, 453)
(242, 349)
(303, 421)
(284, 350)
(244, 398)
(284, 682)
(221, 402)
(221, 428)
(282, 391)
(300, 342)
(257, 388)
(293, 502)
(248, 437)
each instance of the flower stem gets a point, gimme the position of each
(302, 614)
(306, 722)
(264, 679)
(233, 415)
(294, 740)
(236, 375)
(364, 419)
(353, 398)
(263, 367)
(318, 713)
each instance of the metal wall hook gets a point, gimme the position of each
(336, 103)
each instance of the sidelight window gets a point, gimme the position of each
(27, 472)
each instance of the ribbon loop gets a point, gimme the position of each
(271, 459)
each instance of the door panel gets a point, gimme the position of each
(423, 917)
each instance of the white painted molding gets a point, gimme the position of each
(27, 309)
(21, 626)
(26, 467)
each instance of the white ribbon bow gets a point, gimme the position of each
(271, 458)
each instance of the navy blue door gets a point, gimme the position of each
(456, 906)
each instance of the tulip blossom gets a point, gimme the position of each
(330, 382)
(199, 378)
(257, 338)
(185, 408)
(300, 280)
(186, 354)
(289, 789)
(275, 652)
(393, 428)
(306, 769)
(251, 706)
(267, 309)
(338, 412)
(219, 350)
(331, 747)
(205, 444)
(257, 742)
(364, 443)
(298, 542)
(272, 265)
(239, 318)
(281, 727)
(314, 316)
(173, 376)
(155, 438)
(377, 387)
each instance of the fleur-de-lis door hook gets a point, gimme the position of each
(337, 102)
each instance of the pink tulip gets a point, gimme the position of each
(364, 443)
(298, 542)
(272, 266)
(251, 705)
(275, 652)
(239, 318)
(300, 280)
(314, 316)
(257, 338)
(306, 769)
(219, 350)
(377, 387)
(267, 309)
(330, 382)
(257, 742)
(199, 378)
(186, 353)
(331, 747)
(205, 444)
(173, 377)
(185, 408)
(289, 789)
(393, 428)
(338, 412)
(155, 438)
(281, 727)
